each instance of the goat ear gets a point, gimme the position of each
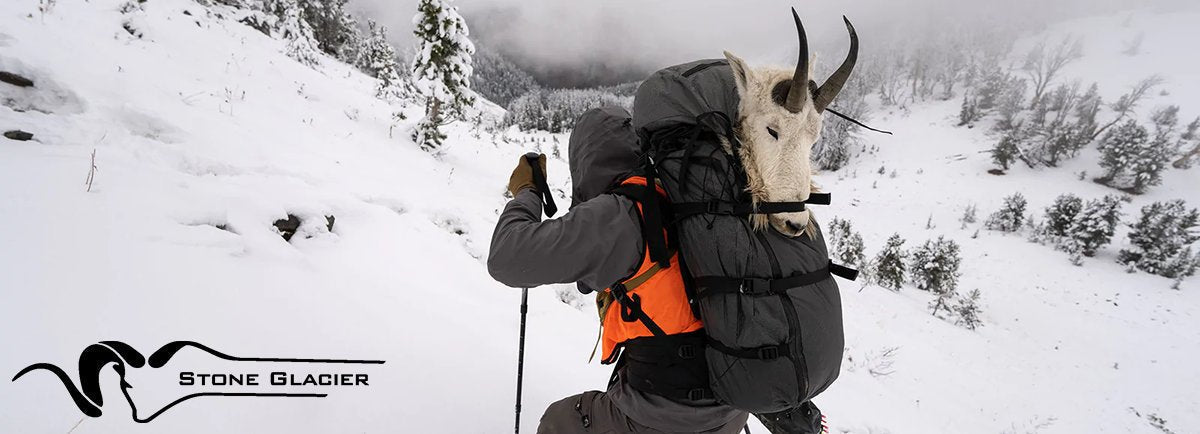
(741, 73)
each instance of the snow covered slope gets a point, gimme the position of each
(201, 123)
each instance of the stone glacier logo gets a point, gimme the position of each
(280, 379)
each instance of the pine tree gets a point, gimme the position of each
(498, 79)
(847, 244)
(441, 68)
(934, 266)
(1160, 240)
(377, 58)
(290, 25)
(1093, 227)
(1134, 160)
(1059, 216)
(1010, 216)
(335, 30)
(889, 267)
(967, 310)
(1006, 151)
(969, 113)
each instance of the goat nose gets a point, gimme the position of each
(792, 226)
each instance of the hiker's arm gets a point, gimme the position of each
(596, 243)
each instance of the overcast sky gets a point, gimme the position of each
(571, 42)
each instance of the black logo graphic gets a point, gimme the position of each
(95, 357)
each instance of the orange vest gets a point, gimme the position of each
(662, 297)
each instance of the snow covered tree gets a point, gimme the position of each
(377, 58)
(1059, 217)
(847, 244)
(1043, 63)
(1160, 240)
(441, 68)
(839, 137)
(1131, 159)
(1093, 227)
(1010, 216)
(1190, 135)
(1008, 149)
(934, 266)
(335, 30)
(969, 111)
(290, 25)
(889, 267)
(967, 310)
(555, 111)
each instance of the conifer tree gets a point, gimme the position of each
(1093, 227)
(1010, 216)
(934, 266)
(377, 58)
(441, 68)
(967, 310)
(1060, 215)
(290, 26)
(1161, 239)
(889, 264)
(335, 30)
(847, 244)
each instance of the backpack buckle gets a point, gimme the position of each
(718, 207)
(754, 286)
(698, 394)
(687, 351)
(768, 353)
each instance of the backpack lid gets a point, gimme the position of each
(679, 94)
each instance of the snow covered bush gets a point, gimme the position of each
(1059, 217)
(1190, 138)
(934, 266)
(1161, 240)
(1133, 160)
(888, 267)
(967, 310)
(847, 244)
(1010, 216)
(1092, 227)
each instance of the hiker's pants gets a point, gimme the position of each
(593, 412)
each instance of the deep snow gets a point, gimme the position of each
(202, 121)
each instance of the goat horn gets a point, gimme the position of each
(798, 92)
(828, 91)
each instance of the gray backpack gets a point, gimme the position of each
(771, 311)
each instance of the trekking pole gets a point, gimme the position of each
(543, 190)
(521, 354)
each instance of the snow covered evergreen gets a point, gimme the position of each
(378, 59)
(1161, 240)
(441, 68)
(888, 269)
(1010, 216)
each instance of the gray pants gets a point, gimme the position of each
(593, 412)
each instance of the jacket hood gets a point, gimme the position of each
(602, 149)
(678, 94)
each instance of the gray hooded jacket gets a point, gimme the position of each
(595, 244)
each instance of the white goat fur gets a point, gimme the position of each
(777, 169)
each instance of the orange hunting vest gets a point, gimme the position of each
(659, 291)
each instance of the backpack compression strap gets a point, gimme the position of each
(684, 209)
(712, 285)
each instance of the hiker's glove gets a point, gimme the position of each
(522, 176)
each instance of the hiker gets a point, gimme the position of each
(597, 244)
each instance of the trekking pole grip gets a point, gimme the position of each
(539, 183)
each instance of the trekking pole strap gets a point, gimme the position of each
(539, 184)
